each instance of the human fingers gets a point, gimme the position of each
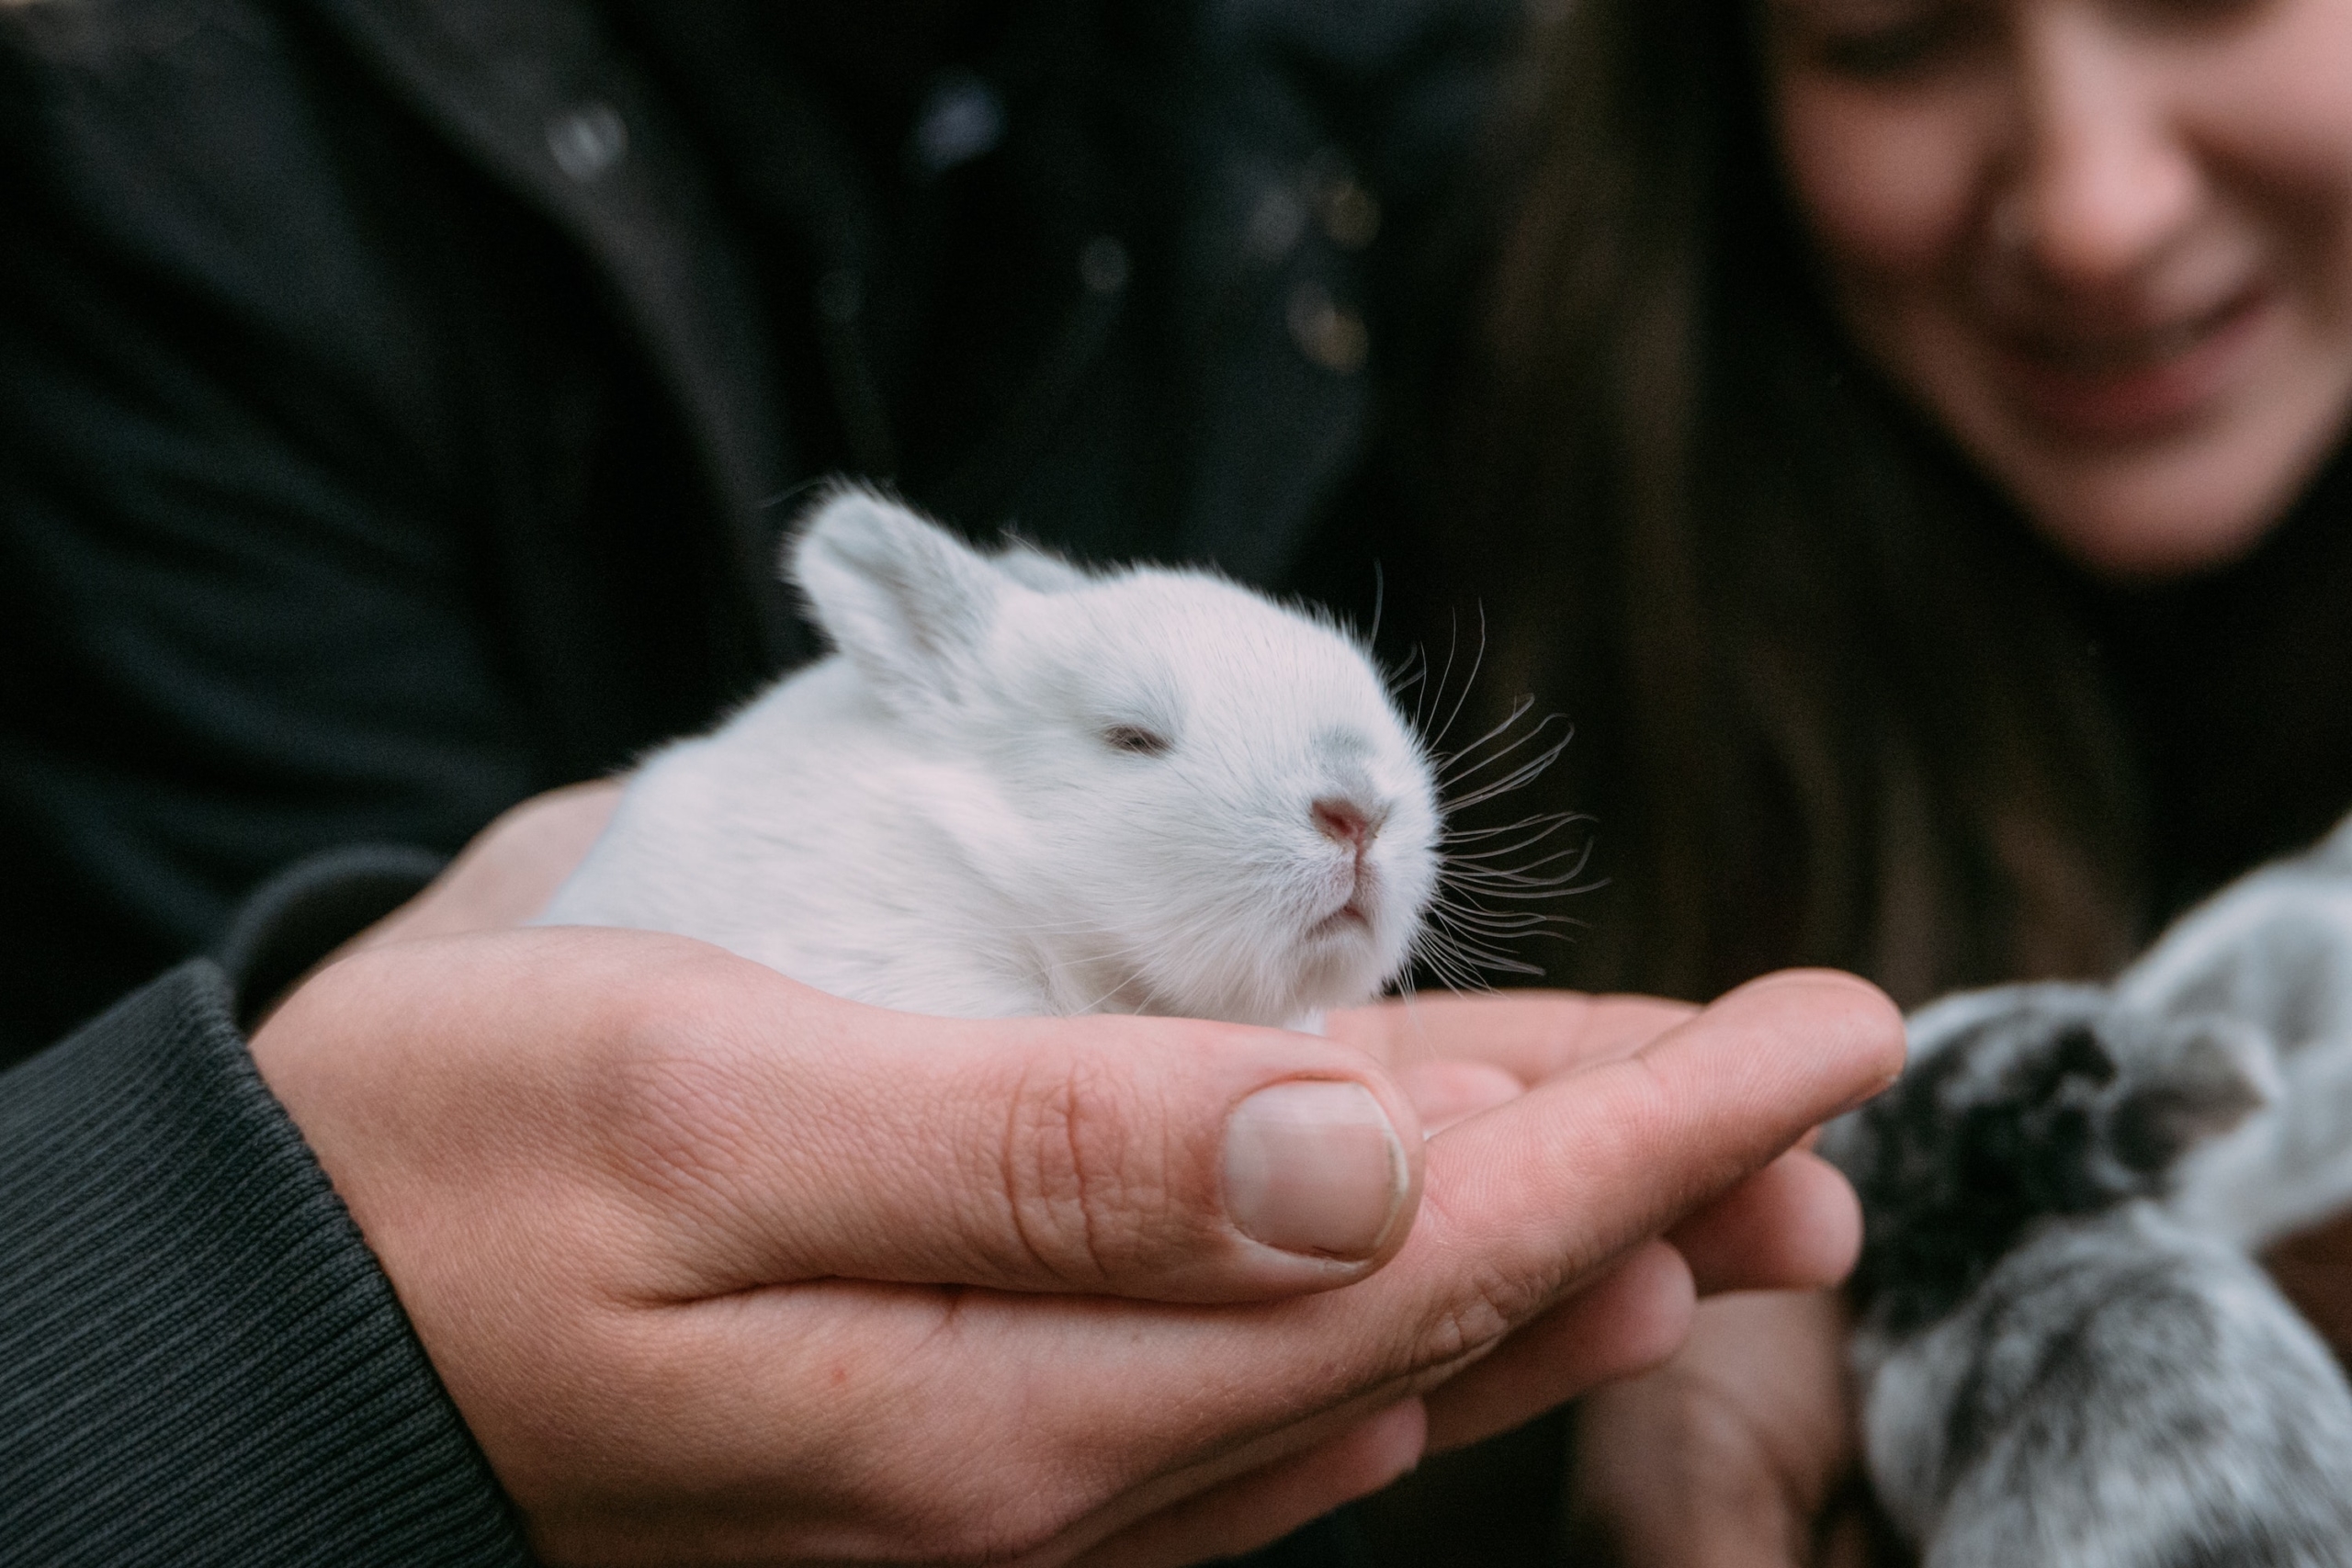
(1445, 1092)
(1795, 1224)
(1539, 1199)
(1644, 1138)
(1530, 1034)
(1633, 1318)
(509, 870)
(1266, 1504)
(1728, 1454)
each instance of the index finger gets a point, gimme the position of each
(1580, 1168)
(1530, 1034)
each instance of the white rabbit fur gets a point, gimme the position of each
(1018, 788)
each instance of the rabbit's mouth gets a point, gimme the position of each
(1350, 918)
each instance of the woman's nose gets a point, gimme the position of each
(2104, 179)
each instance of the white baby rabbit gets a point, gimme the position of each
(1017, 787)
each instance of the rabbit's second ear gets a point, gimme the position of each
(1039, 570)
(908, 602)
(2335, 850)
(2206, 1074)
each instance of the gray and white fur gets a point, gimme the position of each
(1017, 787)
(2274, 950)
(2055, 1368)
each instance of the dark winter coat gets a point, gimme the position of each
(401, 402)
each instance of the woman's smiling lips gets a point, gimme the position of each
(2131, 387)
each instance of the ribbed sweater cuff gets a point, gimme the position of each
(309, 908)
(200, 1362)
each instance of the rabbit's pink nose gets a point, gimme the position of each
(1344, 823)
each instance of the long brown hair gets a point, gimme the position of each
(1831, 704)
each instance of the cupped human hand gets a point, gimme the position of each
(1736, 1453)
(719, 1267)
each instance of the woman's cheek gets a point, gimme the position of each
(2278, 99)
(1886, 179)
(2272, 120)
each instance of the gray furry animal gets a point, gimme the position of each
(2054, 1367)
(2274, 952)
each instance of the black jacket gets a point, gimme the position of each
(401, 402)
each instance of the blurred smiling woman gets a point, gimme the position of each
(1915, 429)
(1910, 425)
(2109, 247)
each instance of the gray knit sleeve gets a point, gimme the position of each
(200, 1362)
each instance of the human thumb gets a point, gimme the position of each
(1162, 1158)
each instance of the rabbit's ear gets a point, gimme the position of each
(1040, 569)
(2335, 850)
(908, 602)
(2202, 1076)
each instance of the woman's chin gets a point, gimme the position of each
(2170, 511)
(2192, 497)
(2138, 469)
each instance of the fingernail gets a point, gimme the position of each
(1314, 1167)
